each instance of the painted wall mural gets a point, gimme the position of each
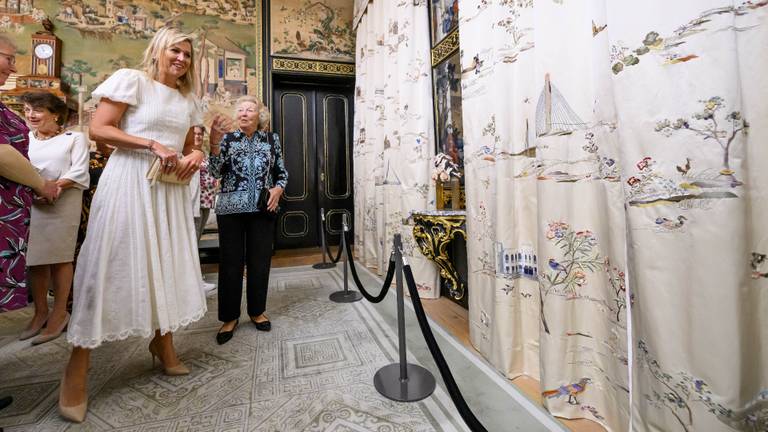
(448, 109)
(100, 36)
(444, 18)
(312, 29)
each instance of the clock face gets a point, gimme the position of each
(43, 50)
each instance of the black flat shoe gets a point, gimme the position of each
(263, 326)
(223, 337)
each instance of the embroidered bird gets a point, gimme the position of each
(556, 266)
(597, 29)
(671, 224)
(570, 390)
(685, 168)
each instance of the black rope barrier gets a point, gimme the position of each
(445, 371)
(387, 279)
(330, 255)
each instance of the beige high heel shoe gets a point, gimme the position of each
(75, 413)
(179, 369)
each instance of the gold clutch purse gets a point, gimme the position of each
(155, 174)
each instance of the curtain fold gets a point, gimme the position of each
(394, 135)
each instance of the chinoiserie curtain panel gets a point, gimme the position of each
(616, 157)
(394, 134)
(620, 149)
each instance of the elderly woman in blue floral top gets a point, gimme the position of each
(249, 163)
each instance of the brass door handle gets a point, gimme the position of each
(322, 177)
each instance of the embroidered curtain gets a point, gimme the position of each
(394, 135)
(615, 160)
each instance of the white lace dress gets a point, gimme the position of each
(138, 269)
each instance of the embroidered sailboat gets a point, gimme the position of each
(553, 114)
(389, 179)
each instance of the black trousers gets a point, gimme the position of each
(244, 239)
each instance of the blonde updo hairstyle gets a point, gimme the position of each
(164, 38)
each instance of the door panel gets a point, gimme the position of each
(335, 160)
(315, 126)
(298, 223)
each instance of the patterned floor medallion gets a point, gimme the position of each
(313, 372)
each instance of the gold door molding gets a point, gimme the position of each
(310, 66)
(445, 48)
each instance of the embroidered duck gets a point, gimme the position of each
(570, 390)
(671, 224)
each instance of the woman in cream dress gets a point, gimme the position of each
(138, 272)
(63, 157)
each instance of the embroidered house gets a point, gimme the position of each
(516, 263)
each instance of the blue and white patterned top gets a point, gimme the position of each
(242, 166)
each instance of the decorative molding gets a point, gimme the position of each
(445, 48)
(310, 66)
(260, 51)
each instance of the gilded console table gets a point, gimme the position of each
(434, 230)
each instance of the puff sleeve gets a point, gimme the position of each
(195, 111)
(121, 86)
(79, 162)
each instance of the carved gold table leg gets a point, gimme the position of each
(433, 234)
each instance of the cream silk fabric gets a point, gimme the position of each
(394, 137)
(622, 145)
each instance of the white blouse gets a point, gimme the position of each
(64, 156)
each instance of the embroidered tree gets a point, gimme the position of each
(567, 276)
(711, 125)
(617, 281)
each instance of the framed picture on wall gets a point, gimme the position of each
(448, 118)
(444, 16)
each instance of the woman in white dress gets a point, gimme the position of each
(138, 272)
(63, 157)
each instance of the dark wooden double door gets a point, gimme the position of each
(315, 126)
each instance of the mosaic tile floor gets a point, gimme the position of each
(312, 372)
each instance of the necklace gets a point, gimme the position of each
(47, 137)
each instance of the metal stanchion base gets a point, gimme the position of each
(323, 265)
(419, 385)
(345, 296)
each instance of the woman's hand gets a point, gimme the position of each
(189, 164)
(168, 158)
(64, 184)
(48, 193)
(221, 125)
(274, 198)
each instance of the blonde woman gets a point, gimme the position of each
(249, 162)
(138, 272)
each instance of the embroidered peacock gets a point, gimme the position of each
(570, 390)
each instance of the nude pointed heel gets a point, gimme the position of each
(75, 413)
(178, 370)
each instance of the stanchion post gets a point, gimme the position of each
(345, 296)
(403, 381)
(323, 265)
